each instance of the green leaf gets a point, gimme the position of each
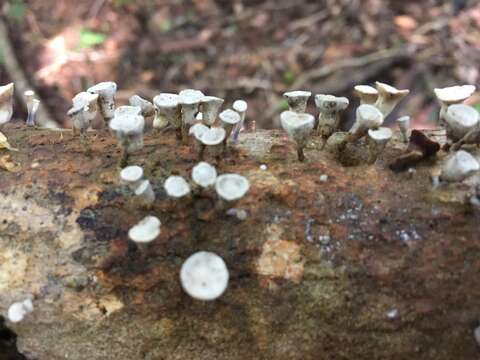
(282, 105)
(477, 106)
(90, 39)
(16, 10)
(289, 77)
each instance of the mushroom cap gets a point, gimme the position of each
(390, 90)
(229, 117)
(166, 100)
(6, 92)
(380, 135)
(131, 174)
(145, 105)
(297, 93)
(104, 88)
(146, 230)
(212, 99)
(240, 106)
(84, 101)
(190, 96)
(176, 187)
(204, 276)
(369, 116)
(197, 130)
(127, 124)
(204, 174)
(127, 110)
(231, 187)
(404, 120)
(454, 94)
(365, 90)
(18, 310)
(460, 115)
(330, 102)
(297, 125)
(143, 188)
(213, 136)
(459, 166)
(29, 95)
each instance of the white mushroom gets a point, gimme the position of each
(241, 107)
(17, 311)
(298, 127)
(329, 107)
(131, 176)
(168, 111)
(145, 192)
(82, 113)
(452, 95)
(367, 117)
(143, 233)
(147, 108)
(404, 125)
(213, 139)
(204, 276)
(367, 94)
(377, 140)
(388, 97)
(32, 106)
(231, 187)
(189, 101)
(204, 174)
(127, 110)
(106, 92)
(176, 187)
(210, 106)
(129, 132)
(459, 120)
(297, 100)
(229, 119)
(6, 103)
(459, 166)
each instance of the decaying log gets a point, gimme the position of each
(364, 264)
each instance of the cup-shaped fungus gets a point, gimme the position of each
(147, 108)
(213, 140)
(297, 100)
(82, 113)
(377, 140)
(452, 95)
(129, 132)
(231, 187)
(32, 106)
(229, 119)
(204, 174)
(329, 107)
(388, 97)
(189, 101)
(204, 276)
(143, 233)
(106, 97)
(367, 117)
(127, 110)
(168, 112)
(176, 187)
(367, 94)
(17, 311)
(210, 106)
(404, 124)
(459, 120)
(145, 192)
(197, 131)
(131, 176)
(298, 127)
(6, 103)
(459, 166)
(241, 107)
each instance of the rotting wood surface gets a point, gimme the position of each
(367, 265)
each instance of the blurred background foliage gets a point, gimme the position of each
(249, 49)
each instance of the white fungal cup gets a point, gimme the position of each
(459, 120)
(131, 176)
(204, 276)
(297, 100)
(106, 92)
(204, 174)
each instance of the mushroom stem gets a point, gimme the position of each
(123, 161)
(300, 154)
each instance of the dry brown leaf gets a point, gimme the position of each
(4, 144)
(8, 164)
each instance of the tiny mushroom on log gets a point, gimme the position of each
(168, 112)
(459, 166)
(229, 119)
(459, 120)
(231, 187)
(176, 187)
(213, 142)
(82, 113)
(367, 117)
(131, 176)
(204, 276)
(32, 106)
(143, 233)
(404, 125)
(6, 103)
(452, 95)
(210, 106)
(299, 127)
(146, 107)
(189, 101)
(145, 192)
(17, 311)
(129, 132)
(106, 97)
(204, 174)
(388, 97)
(197, 131)
(329, 107)
(367, 94)
(297, 100)
(241, 107)
(377, 140)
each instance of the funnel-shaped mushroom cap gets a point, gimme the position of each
(166, 100)
(367, 117)
(229, 117)
(240, 106)
(108, 89)
(297, 125)
(381, 135)
(330, 102)
(127, 110)
(231, 187)
(454, 94)
(6, 92)
(176, 187)
(461, 119)
(190, 96)
(213, 136)
(404, 122)
(204, 174)
(85, 99)
(127, 125)
(131, 174)
(392, 92)
(198, 130)
(297, 100)
(146, 230)
(459, 166)
(365, 91)
(18, 310)
(204, 276)
(145, 105)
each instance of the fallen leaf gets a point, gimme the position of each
(4, 143)
(8, 164)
